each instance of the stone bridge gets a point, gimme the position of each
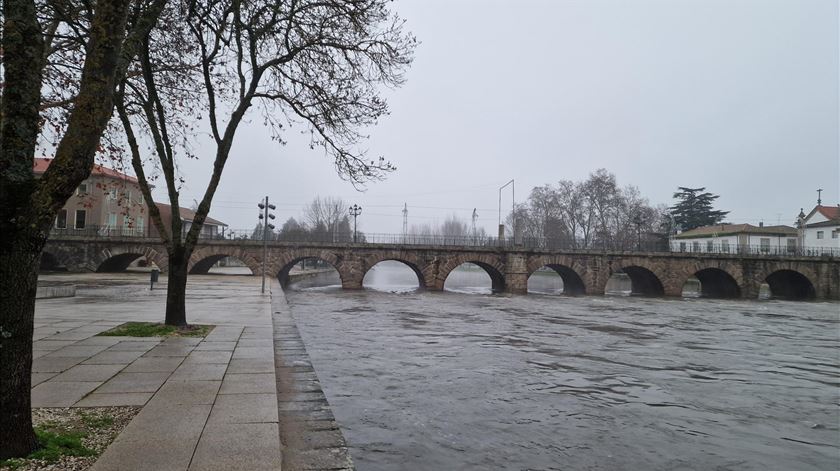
(583, 272)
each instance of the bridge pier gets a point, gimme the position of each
(516, 273)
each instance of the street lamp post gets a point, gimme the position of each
(265, 216)
(355, 211)
(638, 221)
(512, 209)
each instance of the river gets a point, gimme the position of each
(461, 380)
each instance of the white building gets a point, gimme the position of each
(737, 238)
(820, 230)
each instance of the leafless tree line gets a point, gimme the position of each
(592, 213)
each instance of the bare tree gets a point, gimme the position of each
(316, 62)
(37, 39)
(326, 213)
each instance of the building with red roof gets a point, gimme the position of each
(820, 228)
(109, 202)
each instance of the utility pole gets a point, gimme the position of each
(355, 211)
(405, 221)
(512, 209)
(474, 217)
(264, 217)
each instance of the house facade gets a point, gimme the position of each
(819, 230)
(108, 202)
(737, 238)
(211, 229)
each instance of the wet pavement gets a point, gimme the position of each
(425, 380)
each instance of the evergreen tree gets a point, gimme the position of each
(694, 208)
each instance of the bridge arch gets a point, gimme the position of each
(118, 258)
(491, 264)
(204, 258)
(645, 277)
(790, 284)
(717, 283)
(415, 263)
(572, 272)
(283, 264)
(718, 279)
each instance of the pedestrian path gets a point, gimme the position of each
(208, 404)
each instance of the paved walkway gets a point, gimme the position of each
(208, 403)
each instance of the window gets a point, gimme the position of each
(819, 234)
(61, 219)
(695, 246)
(112, 194)
(128, 196)
(140, 225)
(791, 245)
(81, 214)
(682, 246)
(724, 246)
(140, 198)
(112, 220)
(835, 234)
(82, 190)
(710, 246)
(765, 245)
(126, 221)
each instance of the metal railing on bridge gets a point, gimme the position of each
(534, 243)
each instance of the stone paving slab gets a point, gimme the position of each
(84, 351)
(223, 346)
(238, 446)
(54, 364)
(249, 383)
(111, 357)
(134, 383)
(61, 394)
(159, 438)
(251, 365)
(153, 364)
(199, 372)
(89, 373)
(244, 408)
(114, 399)
(188, 392)
(209, 356)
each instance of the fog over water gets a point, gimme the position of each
(460, 380)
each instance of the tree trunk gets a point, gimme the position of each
(18, 283)
(176, 294)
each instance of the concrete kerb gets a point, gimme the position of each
(309, 435)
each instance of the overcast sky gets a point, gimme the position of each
(739, 96)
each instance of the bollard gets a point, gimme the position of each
(155, 273)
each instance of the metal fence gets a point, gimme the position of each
(548, 244)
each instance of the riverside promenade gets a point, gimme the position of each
(245, 397)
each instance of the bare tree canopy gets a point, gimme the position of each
(592, 213)
(311, 62)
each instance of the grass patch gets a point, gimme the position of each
(152, 329)
(54, 445)
(93, 421)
